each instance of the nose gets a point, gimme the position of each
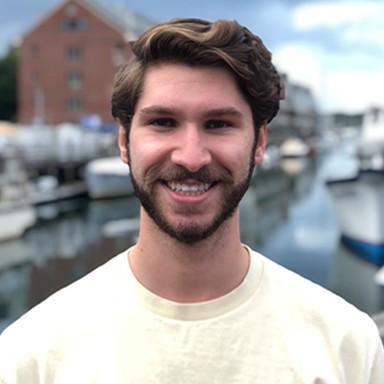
(191, 150)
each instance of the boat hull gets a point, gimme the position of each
(15, 220)
(359, 204)
(108, 178)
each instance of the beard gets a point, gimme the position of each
(192, 233)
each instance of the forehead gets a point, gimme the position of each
(184, 85)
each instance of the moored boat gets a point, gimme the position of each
(294, 148)
(359, 204)
(15, 219)
(16, 212)
(108, 177)
(359, 199)
(371, 146)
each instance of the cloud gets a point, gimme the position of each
(335, 47)
(331, 14)
(339, 82)
(338, 52)
(353, 90)
(369, 35)
(353, 23)
(303, 64)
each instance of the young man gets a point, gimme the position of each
(189, 303)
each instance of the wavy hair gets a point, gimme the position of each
(197, 42)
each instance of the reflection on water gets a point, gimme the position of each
(286, 214)
(65, 244)
(266, 205)
(353, 277)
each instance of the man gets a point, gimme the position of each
(189, 303)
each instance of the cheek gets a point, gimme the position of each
(238, 152)
(144, 154)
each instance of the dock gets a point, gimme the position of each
(61, 192)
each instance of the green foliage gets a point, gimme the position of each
(8, 85)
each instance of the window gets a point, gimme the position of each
(73, 24)
(73, 53)
(34, 50)
(74, 104)
(74, 80)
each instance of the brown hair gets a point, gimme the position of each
(198, 42)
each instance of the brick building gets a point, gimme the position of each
(68, 60)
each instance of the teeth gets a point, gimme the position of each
(187, 189)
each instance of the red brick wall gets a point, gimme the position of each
(44, 68)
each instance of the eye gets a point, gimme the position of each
(217, 124)
(163, 122)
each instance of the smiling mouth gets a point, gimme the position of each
(188, 189)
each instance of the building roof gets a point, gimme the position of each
(131, 23)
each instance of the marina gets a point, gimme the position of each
(359, 198)
(16, 211)
(288, 214)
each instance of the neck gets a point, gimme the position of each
(189, 272)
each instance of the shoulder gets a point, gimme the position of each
(293, 287)
(66, 323)
(308, 304)
(74, 304)
(316, 322)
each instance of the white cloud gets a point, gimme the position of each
(339, 81)
(302, 63)
(352, 90)
(331, 14)
(369, 34)
(347, 78)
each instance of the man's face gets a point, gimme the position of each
(191, 149)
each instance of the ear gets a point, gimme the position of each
(261, 143)
(123, 144)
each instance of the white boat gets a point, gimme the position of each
(379, 279)
(15, 219)
(108, 177)
(294, 147)
(359, 200)
(16, 211)
(359, 204)
(371, 146)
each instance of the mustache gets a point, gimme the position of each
(206, 174)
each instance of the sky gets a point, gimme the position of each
(335, 47)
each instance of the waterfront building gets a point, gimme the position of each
(298, 115)
(69, 58)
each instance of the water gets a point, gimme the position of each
(287, 214)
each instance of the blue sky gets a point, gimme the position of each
(333, 46)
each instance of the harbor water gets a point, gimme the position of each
(287, 215)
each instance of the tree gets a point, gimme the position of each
(8, 85)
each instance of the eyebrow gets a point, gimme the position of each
(215, 112)
(156, 109)
(228, 111)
